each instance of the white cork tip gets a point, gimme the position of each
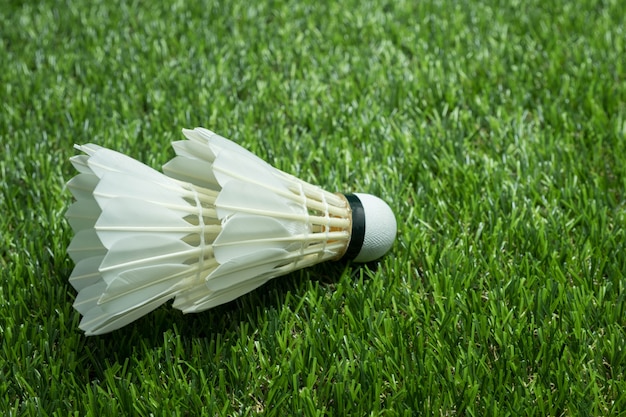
(380, 228)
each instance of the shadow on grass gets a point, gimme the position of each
(222, 324)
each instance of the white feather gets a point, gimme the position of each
(195, 149)
(100, 319)
(263, 263)
(196, 171)
(80, 163)
(82, 185)
(137, 286)
(215, 143)
(85, 245)
(102, 161)
(236, 166)
(200, 299)
(83, 214)
(131, 218)
(115, 185)
(242, 197)
(86, 273)
(88, 297)
(146, 251)
(244, 235)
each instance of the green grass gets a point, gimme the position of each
(496, 131)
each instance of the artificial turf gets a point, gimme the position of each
(494, 129)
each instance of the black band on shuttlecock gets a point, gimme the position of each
(358, 227)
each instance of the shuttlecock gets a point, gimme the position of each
(219, 223)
